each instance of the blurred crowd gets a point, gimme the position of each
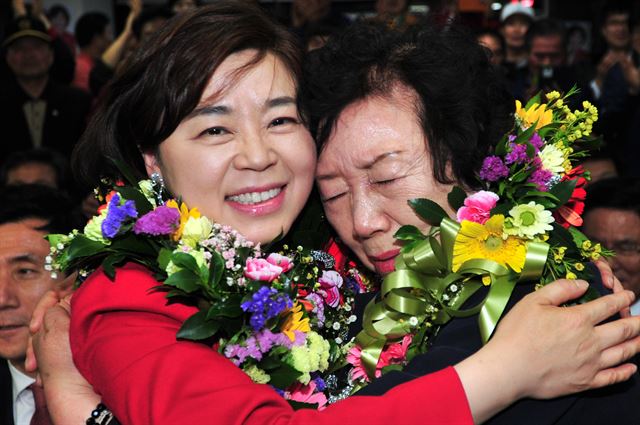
(52, 75)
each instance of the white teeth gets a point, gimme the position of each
(255, 197)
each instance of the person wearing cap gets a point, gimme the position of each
(36, 111)
(515, 20)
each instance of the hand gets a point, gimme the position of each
(604, 66)
(609, 280)
(135, 7)
(541, 350)
(631, 73)
(70, 398)
(19, 9)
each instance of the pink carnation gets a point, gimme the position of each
(477, 207)
(281, 261)
(261, 269)
(330, 282)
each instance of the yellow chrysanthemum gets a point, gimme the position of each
(535, 113)
(477, 241)
(185, 213)
(295, 322)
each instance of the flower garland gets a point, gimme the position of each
(282, 317)
(520, 227)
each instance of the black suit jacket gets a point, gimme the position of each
(6, 394)
(618, 404)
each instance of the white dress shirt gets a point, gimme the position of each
(23, 403)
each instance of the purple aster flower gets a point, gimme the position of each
(517, 155)
(320, 384)
(116, 215)
(264, 305)
(541, 178)
(161, 221)
(493, 169)
(536, 141)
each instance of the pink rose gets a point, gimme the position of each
(477, 207)
(281, 261)
(330, 282)
(261, 269)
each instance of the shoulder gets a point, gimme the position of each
(133, 289)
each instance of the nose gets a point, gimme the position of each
(8, 298)
(256, 153)
(368, 215)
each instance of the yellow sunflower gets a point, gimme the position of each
(185, 213)
(477, 241)
(535, 113)
(295, 322)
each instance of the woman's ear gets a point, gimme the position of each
(151, 161)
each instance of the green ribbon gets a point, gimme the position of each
(421, 279)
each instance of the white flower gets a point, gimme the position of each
(336, 326)
(352, 318)
(413, 321)
(454, 288)
(552, 159)
(338, 340)
(528, 220)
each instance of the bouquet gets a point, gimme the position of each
(281, 316)
(522, 226)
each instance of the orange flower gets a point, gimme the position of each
(295, 322)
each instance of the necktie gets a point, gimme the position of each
(41, 414)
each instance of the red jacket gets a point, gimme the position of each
(123, 338)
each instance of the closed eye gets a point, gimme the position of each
(333, 198)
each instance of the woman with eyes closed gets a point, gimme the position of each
(210, 103)
(417, 114)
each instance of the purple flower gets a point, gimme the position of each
(320, 384)
(536, 141)
(116, 215)
(161, 221)
(265, 304)
(318, 307)
(517, 155)
(541, 178)
(493, 169)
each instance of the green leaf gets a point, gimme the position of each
(563, 191)
(134, 244)
(409, 233)
(216, 268)
(533, 100)
(185, 261)
(197, 327)
(456, 197)
(109, 264)
(185, 280)
(81, 246)
(230, 308)
(124, 169)
(501, 147)
(284, 376)
(164, 256)
(142, 204)
(428, 210)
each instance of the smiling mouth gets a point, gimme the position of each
(255, 197)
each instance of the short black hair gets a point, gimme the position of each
(23, 202)
(90, 25)
(57, 9)
(546, 28)
(39, 156)
(464, 105)
(618, 193)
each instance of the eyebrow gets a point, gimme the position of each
(366, 166)
(24, 257)
(226, 110)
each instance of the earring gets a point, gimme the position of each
(158, 187)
